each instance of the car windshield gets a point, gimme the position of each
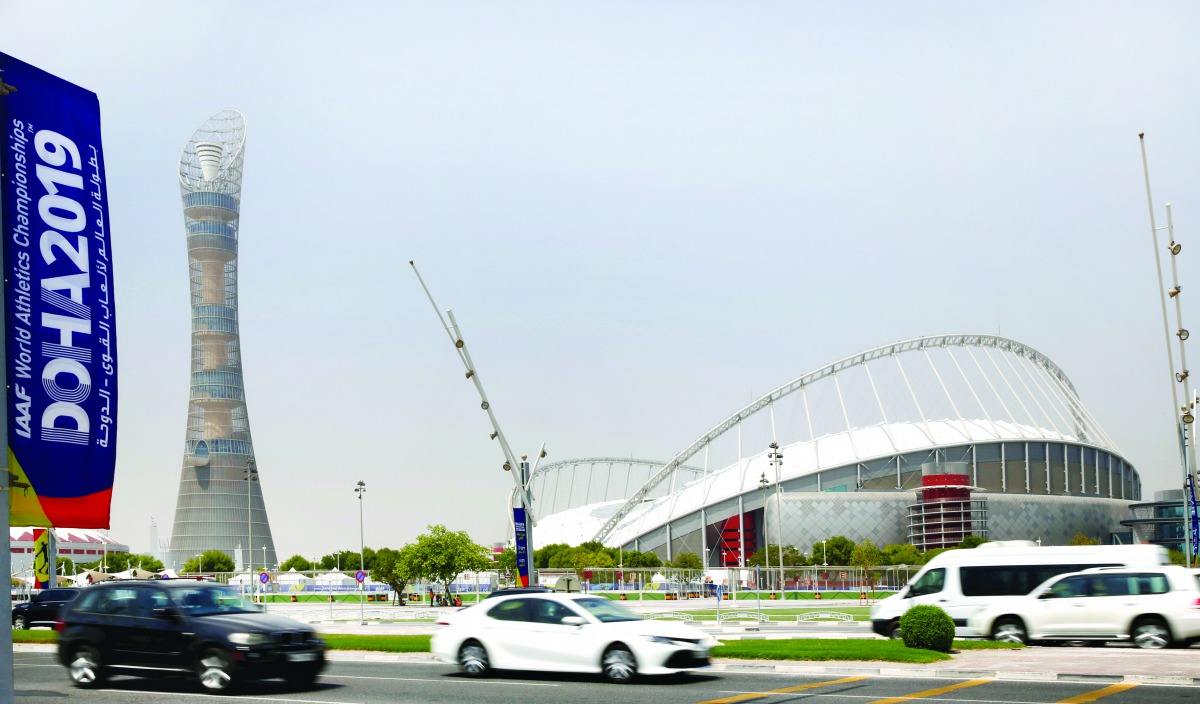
(205, 600)
(606, 611)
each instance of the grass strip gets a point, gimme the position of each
(379, 643)
(38, 636)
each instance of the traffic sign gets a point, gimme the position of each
(360, 576)
(264, 578)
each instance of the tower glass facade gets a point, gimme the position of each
(218, 506)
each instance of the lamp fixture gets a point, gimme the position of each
(1174, 247)
(1188, 418)
(485, 405)
(1180, 376)
(507, 467)
(470, 373)
(524, 457)
(492, 436)
(542, 454)
(1174, 290)
(1183, 334)
(459, 343)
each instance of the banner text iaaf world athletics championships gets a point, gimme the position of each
(61, 217)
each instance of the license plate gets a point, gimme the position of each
(301, 657)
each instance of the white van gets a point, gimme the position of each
(963, 582)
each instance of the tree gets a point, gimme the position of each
(395, 568)
(687, 561)
(837, 551)
(865, 556)
(507, 560)
(210, 561)
(643, 559)
(1081, 539)
(295, 561)
(972, 541)
(901, 554)
(441, 555)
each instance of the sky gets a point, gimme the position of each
(644, 216)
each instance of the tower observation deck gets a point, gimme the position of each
(220, 504)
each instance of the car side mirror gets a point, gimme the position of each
(573, 621)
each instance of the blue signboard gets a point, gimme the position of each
(1193, 516)
(522, 537)
(60, 326)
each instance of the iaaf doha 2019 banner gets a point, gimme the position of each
(60, 345)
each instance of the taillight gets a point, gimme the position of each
(59, 625)
(1196, 603)
(442, 623)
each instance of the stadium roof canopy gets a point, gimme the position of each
(914, 396)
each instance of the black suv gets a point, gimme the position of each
(42, 609)
(207, 630)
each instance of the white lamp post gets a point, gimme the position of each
(776, 458)
(251, 476)
(361, 489)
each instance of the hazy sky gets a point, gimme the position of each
(644, 215)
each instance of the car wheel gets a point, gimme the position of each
(1151, 634)
(618, 665)
(214, 671)
(473, 659)
(1010, 630)
(85, 669)
(893, 630)
(19, 623)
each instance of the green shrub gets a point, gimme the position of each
(928, 627)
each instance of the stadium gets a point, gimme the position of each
(923, 441)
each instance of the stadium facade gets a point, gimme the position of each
(220, 503)
(923, 441)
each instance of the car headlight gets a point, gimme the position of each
(249, 638)
(663, 640)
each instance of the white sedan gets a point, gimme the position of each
(567, 633)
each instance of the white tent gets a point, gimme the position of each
(243, 579)
(335, 578)
(134, 573)
(294, 577)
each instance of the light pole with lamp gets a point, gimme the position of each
(361, 489)
(201, 559)
(776, 458)
(251, 476)
(762, 490)
(824, 559)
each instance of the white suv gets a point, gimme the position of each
(1153, 607)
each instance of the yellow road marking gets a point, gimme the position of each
(1095, 694)
(931, 692)
(785, 690)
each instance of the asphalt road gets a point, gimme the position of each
(39, 679)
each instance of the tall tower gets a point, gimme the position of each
(220, 504)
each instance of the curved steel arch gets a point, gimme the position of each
(861, 358)
(630, 461)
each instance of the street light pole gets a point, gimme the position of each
(361, 489)
(777, 460)
(251, 476)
